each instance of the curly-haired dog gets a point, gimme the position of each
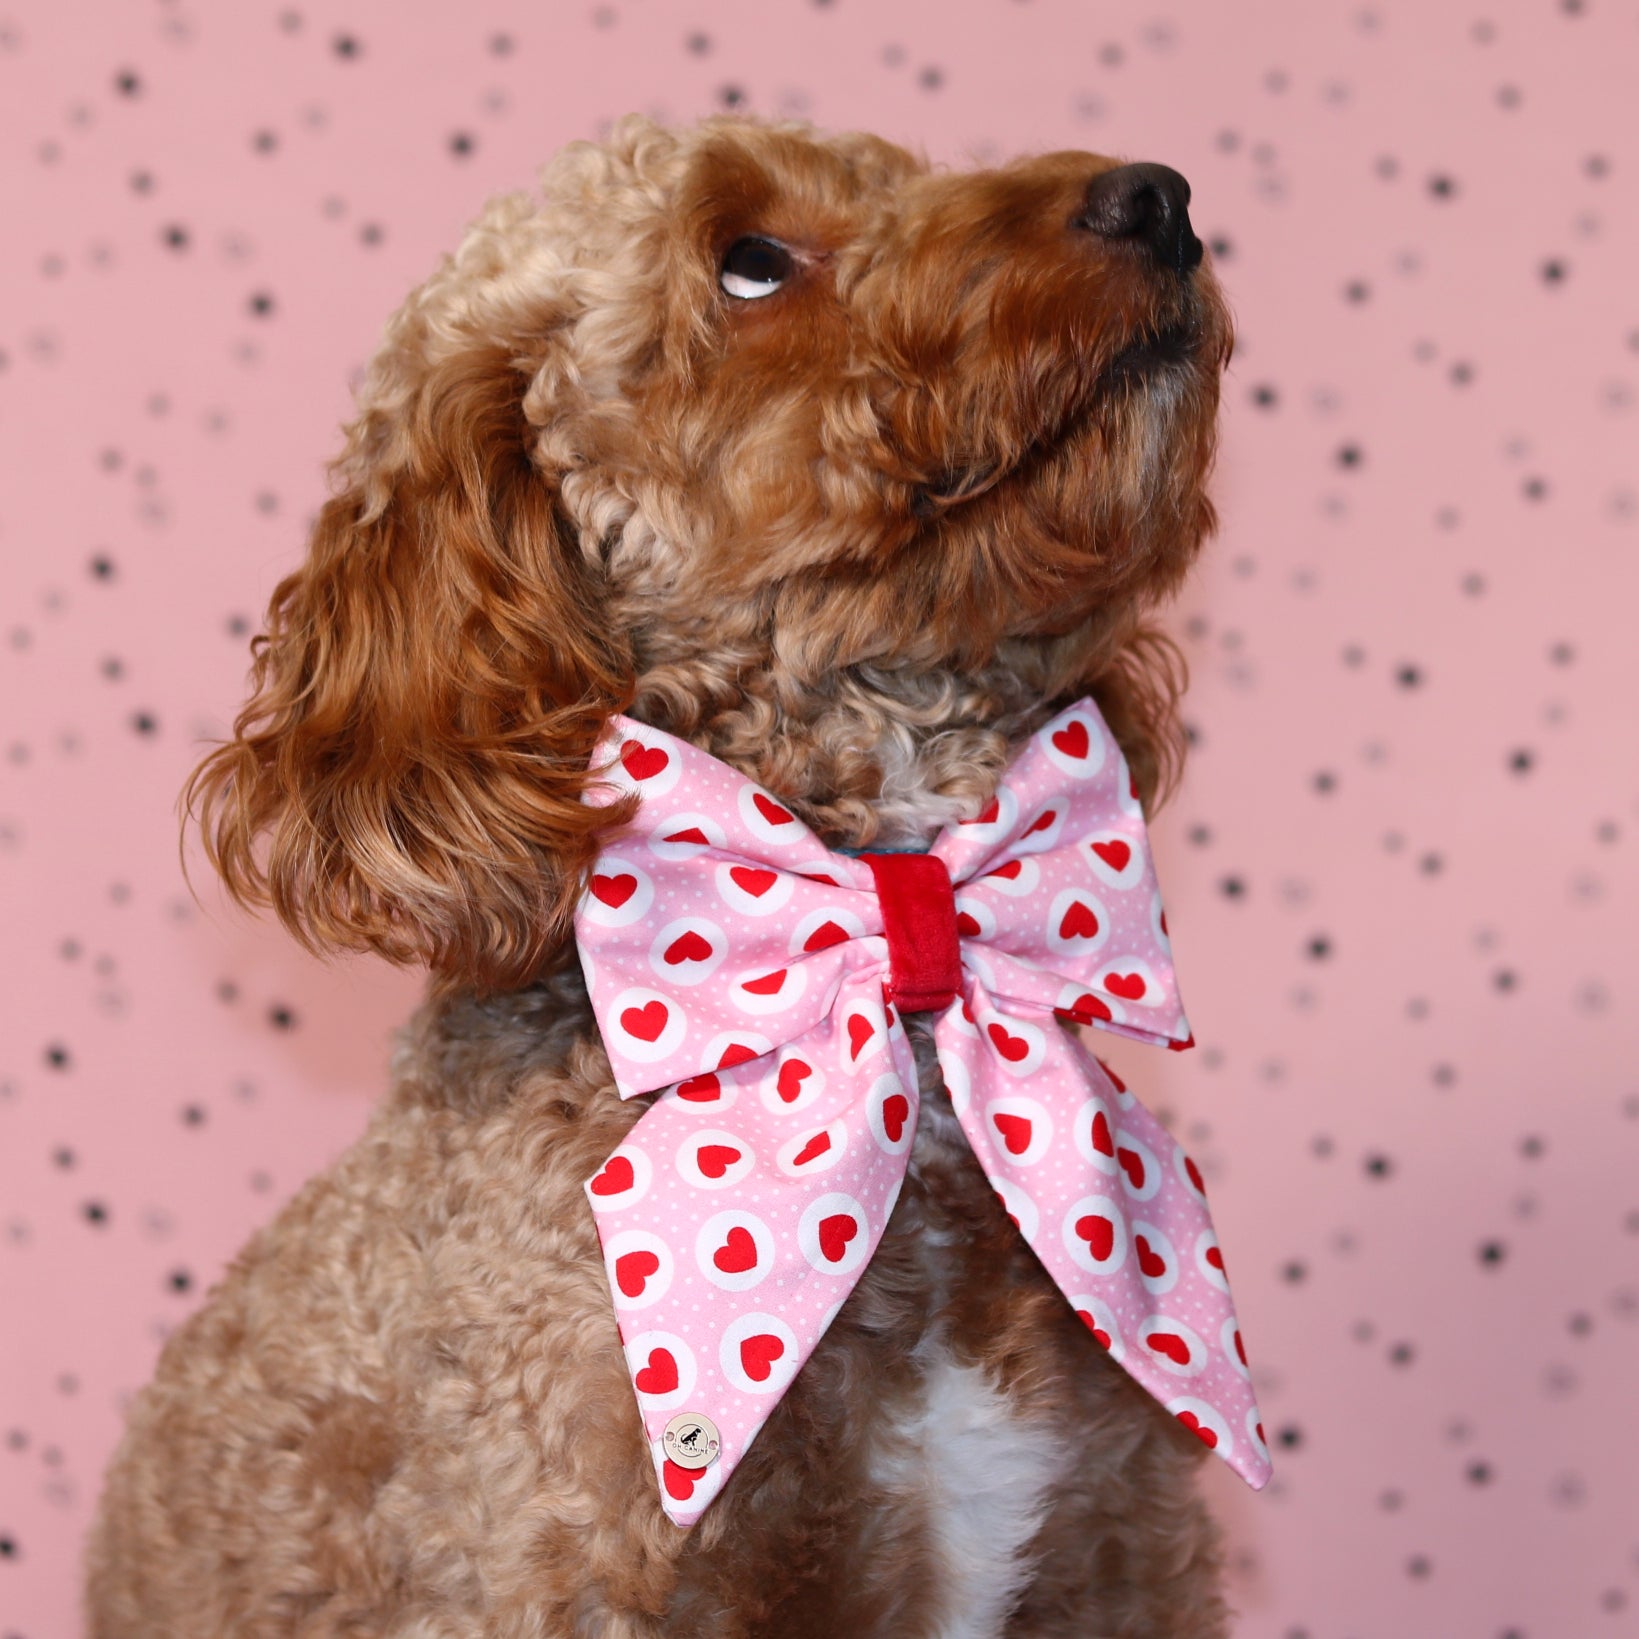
(851, 472)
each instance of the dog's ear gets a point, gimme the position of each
(407, 775)
(1138, 693)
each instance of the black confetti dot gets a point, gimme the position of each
(1419, 1565)
(347, 47)
(501, 45)
(57, 1056)
(1319, 948)
(1554, 271)
(1350, 455)
(1479, 1473)
(1505, 979)
(1534, 489)
(731, 96)
(1492, 1253)
(94, 1212)
(1402, 1354)
(1325, 782)
(101, 567)
(699, 44)
(179, 1280)
(1521, 761)
(1232, 887)
(1442, 187)
(260, 304)
(1289, 1438)
(1409, 677)
(931, 78)
(1294, 1272)
(1378, 1166)
(1222, 248)
(144, 722)
(462, 144)
(1265, 396)
(281, 1017)
(174, 236)
(1357, 290)
(128, 83)
(1532, 1146)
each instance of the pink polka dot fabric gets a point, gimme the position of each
(740, 965)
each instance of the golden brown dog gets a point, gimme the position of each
(852, 472)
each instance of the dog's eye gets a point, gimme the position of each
(754, 267)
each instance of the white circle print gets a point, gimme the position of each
(891, 1113)
(646, 1025)
(1021, 1127)
(710, 1159)
(1099, 1319)
(1095, 1136)
(791, 1085)
(1095, 1234)
(758, 1354)
(1140, 1171)
(1205, 1422)
(814, 1151)
(1077, 923)
(1074, 743)
(734, 1250)
(834, 1234)
(1170, 1343)
(1157, 1260)
(622, 1181)
(685, 835)
(662, 1369)
(640, 1268)
(646, 763)
(768, 990)
(769, 820)
(753, 890)
(618, 894)
(688, 951)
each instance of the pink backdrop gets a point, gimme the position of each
(1402, 873)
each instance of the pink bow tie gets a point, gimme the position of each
(756, 976)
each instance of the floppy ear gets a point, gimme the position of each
(1138, 693)
(407, 775)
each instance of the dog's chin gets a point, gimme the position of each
(1153, 354)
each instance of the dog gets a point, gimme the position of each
(851, 472)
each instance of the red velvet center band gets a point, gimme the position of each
(919, 919)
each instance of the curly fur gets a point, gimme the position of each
(859, 539)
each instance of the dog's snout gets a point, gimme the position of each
(1146, 203)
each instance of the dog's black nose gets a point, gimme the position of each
(1149, 203)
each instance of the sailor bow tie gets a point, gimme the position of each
(758, 978)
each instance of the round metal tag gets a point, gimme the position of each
(691, 1441)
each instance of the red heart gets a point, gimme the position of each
(987, 815)
(896, 1110)
(645, 1022)
(1115, 1080)
(1008, 871)
(824, 936)
(1194, 1175)
(715, 1159)
(614, 891)
(835, 1233)
(736, 1053)
(660, 1375)
(1086, 1010)
(860, 1031)
(1132, 1163)
(768, 985)
(688, 947)
(1150, 1262)
(819, 876)
(692, 834)
(1072, 739)
(1102, 1142)
(1240, 1349)
(1099, 1234)
(738, 1253)
(1093, 1327)
(1015, 1131)
(643, 762)
(1012, 1048)
(1042, 821)
(815, 1147)
(703, 1089)
(1196, 1426)
(1171, 1345)
(967, 926)
(758, 1354)
(1128, 986)
(1114, 854)
(1078, 923)
(632, 1271)
(770, 810)
(679, 1481)
(792, 1075)
(1215, 1258)
(616, 1178)
(752, 880)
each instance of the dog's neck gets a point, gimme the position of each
(871, 758)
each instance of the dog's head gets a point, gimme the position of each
(788, 444)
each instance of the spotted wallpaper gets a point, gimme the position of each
(1403, 871)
